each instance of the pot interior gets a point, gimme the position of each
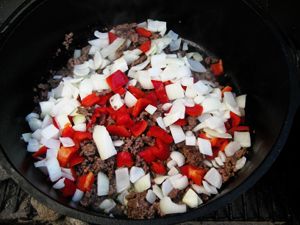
(252, 56)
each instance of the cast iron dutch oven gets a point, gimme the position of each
(254, 51)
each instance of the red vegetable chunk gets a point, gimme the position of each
(194, 111)
(111, 37)
(85, 182)
(217, 68)
(143, 32)
(159, 168)
(194, 173)
(145, 46)
(90, 100)
(118, 130)
(124, 159)
(117, 80)
(147, 154)
(160, 133)
(138, 128)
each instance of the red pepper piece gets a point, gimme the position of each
(194, 111)
(158, 168)
(214, 141)
(117, 80)
(80, 136)
(239, 128)
(69, 188)
(160, 91)
(103, 99)
(139, 106)
(118, 130)
(147, 154)
(138, 93)
(90, 100)
(68, 131)
(125, 120)
(85, 182)
(42, 151)
(143, 32)
(111, 37)
(194, 173)
(160, 133)
(145, 46)
(138, 128)
(181, 122)
(75, 160)
(151, 96)
(235, 119)
(215, 153)
(64, 155)
(226, 89)
(162, 150)
(223, 145)
(120, 91)
(217, 68)
(124, 159)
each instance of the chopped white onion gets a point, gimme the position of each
(196, 66)
(160, 122)
(177, 133)
(209, 188)
(173, 171)
(34, 124)
(46, 107)
(66, 141)
(122, 179)
(129, 99)
(190, 138)
(85, 88)
(178, 157)
(168, 207)
(50, 132)
(118, 143)
(150, 196)
(219, 161)
(33, 145)
(136, 173)
(241, 101)
(150, 109)
(103, 142)
(140, 66)
(107, 205)
(53, 169)
(144, 79)
(240, 163)
(157, 191)
(171, 164)
(59, 184)
(119, 64)
(201, 88)
(210, 104)
(166, 187)
(204, 146)
(171, 118)
(200, 189)
(174, 91)
(26, 136)
(175, 45)
(232, 148)
(231, 103)
(51, 143)
(191, 199)
(214, 178)
(154, 72)
(157, 26)
(180, 183)
(243, 138)
(143, 183)
(80, 127)
(216, 134)
(102, 184)
(116, 101)
(99, 82)
(112, 48)
(158, 61)
(77, 195)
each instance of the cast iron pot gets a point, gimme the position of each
(255, 55)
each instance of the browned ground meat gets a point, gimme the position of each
(127, 31)
(88, 149)
(138, 207)
(84, 57)
(139, 60)
(192, 155)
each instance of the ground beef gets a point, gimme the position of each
(120, 50)
(98, 165)
(139, 162)
(140, 60)
(191, 123)
(127, 31)
(89, 197)
(76, 61)
(138, 207)
(84, 111)
(192, 155)
(88, 149)
(68, 40)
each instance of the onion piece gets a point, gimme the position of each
(107, 205)
(168, 207)
(157, 26)
(130, 99)
(34, 124)
(175, 45)
(191, 199)
(53, 169)
(41, 163)
(204, 146)
(196, 66)
(26, 136)
(171, 34)
(232, 148)
(37, 134)
(136, 173)
(243, 138)
(66, 141)
(50, 132)
(51, 143)
(219, 161)
(119, 64)
(160, 179)
(231, 103)
(144, 79)
(33, 145)
(140, 66)
(209, 188)
(122, 197)
(166, 187)
(77, 195)
(190, 92)
(150, 109)
(62, 121)
(85, 88)
(59, 184)
(99, 82)
(118, 143)
(154, 72)
(171, 118)
(240, 163)
(177, 133)
(216, 134)
(116, 101)
(211, 104)
(160, 123)
(80, 127)
(112, 48)
(157, 191)
(171, 164)
(178, 157)
(173, 171)
(102, 184)
(31, 116)
(46, 107)
(103, 142)
(190, 138)
(201, 88)
(122, 179)
(143, 183)
(166, 106)
(158, 61)
(150, 196)
(99, 42)
(180, 183)
(200, 189)
(214, 178)
(241, 101)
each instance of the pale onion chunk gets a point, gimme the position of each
(130, 99)
(243, 138)
(144, 79)
(178, 157)
(204, 146)
(150, 109)
(190, 138)
(116, 101)
(240, 163)
(50, 132)
(214, 178)
(232, 148)
(102, 184)
(158, 61)
(209, 188)
(136, 173)
(168, 207)
(241, 101)
(122, 179)
(143, 184)
(150, 196)
(191, 199)
(157, 26)
(157, 191)
(174, 91)
(211, 104)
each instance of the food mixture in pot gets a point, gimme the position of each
(138, 125)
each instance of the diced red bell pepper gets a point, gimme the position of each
(125, 120)
(226, 89)
(147, 154)
(162, 150)
(151, 96)
(103, 99)
(223, 145)
(139, 106)
(145, 46)
(68, 131)
(215, 151)
(42, 151)
(80, 136)
(121, 91)
(143, 32)
(85, 182)
(111, 37)
(90, 100)
(118, 130)
(235, 119)
(194, 173)
(160, 133)
(75, 160)
(64, 155)
(69, 188)
(160, 91)
(194, 111)
(158, 168)
(217, 68)
(138, 93)
(117, 80)
(239, 128)
(124, 159)
(181, 122)
(138, 128)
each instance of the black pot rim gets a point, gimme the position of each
(30, 5)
